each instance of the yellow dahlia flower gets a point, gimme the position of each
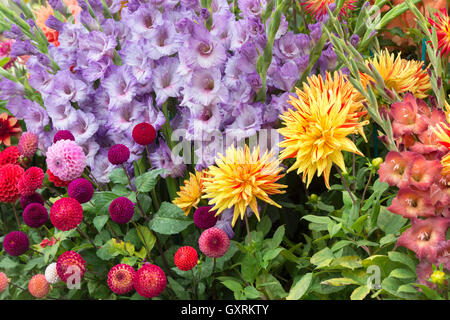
(240, 178)
(190, 194)
(442, 131)
(315, 131)
(399, 74)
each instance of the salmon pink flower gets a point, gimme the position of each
(423, 172)
(406, 118)
(395, 170)
(424, 236)
(412, 204)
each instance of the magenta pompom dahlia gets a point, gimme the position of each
(3, 282)
(121, 210)
(28, 144)
(69, 263)
(32, 198)
(16, 243)
(66, 160)
(118, 154)
(120, 278)
(186, 258)
(214, 242)
(149, 281)
(205, 219)
(81, 190)
(35, 215)
(66, 214)
(63, 135)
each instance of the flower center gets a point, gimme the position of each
(424, 236)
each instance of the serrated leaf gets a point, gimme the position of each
(300, 288)
(169, 219)
(402, 258)
(118, 176)
(100, 221)
(147, 181)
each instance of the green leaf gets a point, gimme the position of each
(322, 258)
(277, 237)
(334, 228)
(147, 181)
(100, 221)
(118, 176)
(338, 282)
(389, 238)
(272, 254)
(390, 222)
(179, 291)
(360, 293)
(251, 292)
(169, 219)
(102, 200)
(402, 258)
(402, 274)
(233, 285)
(146, 236)
(265, 225)
(300, 288)
(249, 268)
(349, 262)
(317, 219)
(359, 223)
(7, 263)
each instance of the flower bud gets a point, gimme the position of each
(376, 162)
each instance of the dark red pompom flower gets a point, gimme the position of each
(144, 133)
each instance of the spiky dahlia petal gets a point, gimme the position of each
(315, 131)
(318, 8)
(399, 74)
(441, 23)
(240, 178)
(190, 194)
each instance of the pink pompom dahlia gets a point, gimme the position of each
(3, 282)
(120, 278)
(38, 286)
(28, 144)
(149, 281)
(66, 160)
(214, 242)
(70, 263)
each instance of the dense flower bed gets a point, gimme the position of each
(214, 149)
